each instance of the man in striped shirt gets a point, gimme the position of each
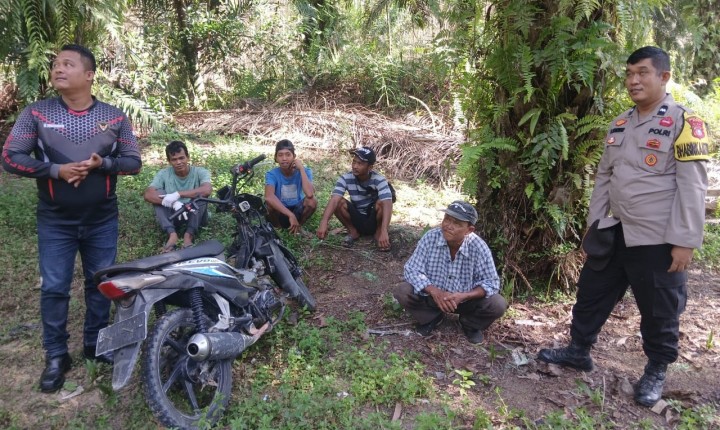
(370, 206)
(452, 271)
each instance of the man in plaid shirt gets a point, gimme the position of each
(452, 271)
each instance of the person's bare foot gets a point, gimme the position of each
(170, 244)
(187, 240)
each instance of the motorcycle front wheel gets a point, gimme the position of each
(180, 391)
(283, 274)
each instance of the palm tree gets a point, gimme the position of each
(32, 30)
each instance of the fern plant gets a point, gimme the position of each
(534, 101)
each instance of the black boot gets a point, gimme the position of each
(650, 387)
(53, 377)
(573, 355)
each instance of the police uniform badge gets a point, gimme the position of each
(693, 143)
(651, 160)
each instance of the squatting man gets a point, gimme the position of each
(452, 271)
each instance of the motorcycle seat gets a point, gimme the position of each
(208, 248)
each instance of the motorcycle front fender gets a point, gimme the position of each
(126, 356)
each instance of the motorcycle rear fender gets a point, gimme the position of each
(126, 357)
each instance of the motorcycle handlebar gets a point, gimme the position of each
(180, 211)
(248, 165)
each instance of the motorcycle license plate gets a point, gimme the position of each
(121, 334)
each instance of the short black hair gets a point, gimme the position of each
(85, 54)
(174, 147)
(284, 144)
(660, 59)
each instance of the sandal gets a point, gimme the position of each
(169, 247)
(348, 241)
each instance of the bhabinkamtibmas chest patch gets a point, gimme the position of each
(693, 143)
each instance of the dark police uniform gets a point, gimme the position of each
(650, 187)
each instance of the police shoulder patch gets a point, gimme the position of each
(693, 143)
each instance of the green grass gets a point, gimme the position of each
(709, 254)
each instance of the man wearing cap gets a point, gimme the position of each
(452, 271)
(289, 191)
(647, 214)
(370, 206)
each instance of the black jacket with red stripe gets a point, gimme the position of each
(48, 133)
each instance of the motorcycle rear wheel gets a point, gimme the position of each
(179, 391)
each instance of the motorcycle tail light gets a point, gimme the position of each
(122, 288)
(114, 292)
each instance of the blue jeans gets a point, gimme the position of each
(58, 245)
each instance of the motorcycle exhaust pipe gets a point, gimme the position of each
(221, 346)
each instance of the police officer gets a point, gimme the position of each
(650, 195)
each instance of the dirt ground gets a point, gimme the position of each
(504, 366)
(361, 279)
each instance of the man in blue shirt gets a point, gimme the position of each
(452, 271)
(175, 185)
(370, 207)
(289, 191)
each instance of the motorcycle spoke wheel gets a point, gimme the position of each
(180, 391)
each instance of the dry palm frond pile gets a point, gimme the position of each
(409, 148)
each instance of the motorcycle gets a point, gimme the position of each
(207, 312)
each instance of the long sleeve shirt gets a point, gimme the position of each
(472, 267)
(48, 134)
(652, 177)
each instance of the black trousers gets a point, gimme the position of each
(660, 296)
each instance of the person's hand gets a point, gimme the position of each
(294, 224)
(93, 162)
(72, 173)
(169, 199)
(322, 230)
(681, 258)
(298, 164)
(447, 302)
(176, 207)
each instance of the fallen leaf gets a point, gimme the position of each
(529, 322)
(321, 321)
(626, 387)
(292, 319)
(621, 341)
(519, 358)
(337, 230)
(550, 369)
(659, 406)
(533, 376)
(79, 390)
(668, 415)
(398, 412)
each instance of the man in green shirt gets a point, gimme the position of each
(175, 185)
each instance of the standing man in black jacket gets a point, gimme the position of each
(80, 145)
